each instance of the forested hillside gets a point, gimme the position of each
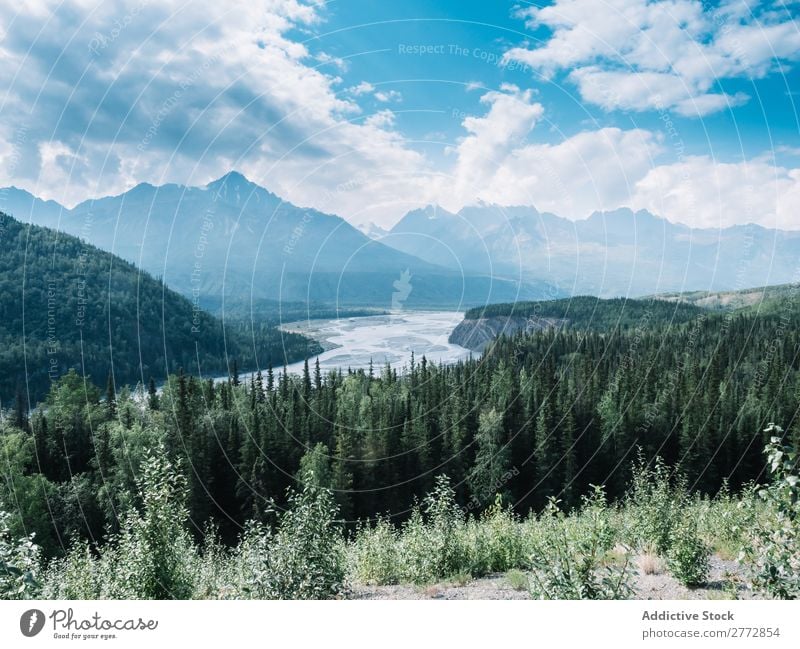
(588, 312)
(65, 304)
(761, 299)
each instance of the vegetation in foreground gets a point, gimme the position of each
(306, 553)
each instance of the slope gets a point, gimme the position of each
(66, 304)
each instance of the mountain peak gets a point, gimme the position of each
(374, 231)
(625, 214)
(235, 188)
(431, 211)
(231, 179)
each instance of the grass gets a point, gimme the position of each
(517, 579)
(650, 564)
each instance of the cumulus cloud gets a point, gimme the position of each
(363, 88)
(492, 138)
(664, 54)
(704, 192)
(497, 162)
(112, 94)
(500, 162)
(386, 96)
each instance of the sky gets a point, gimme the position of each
(369, 109)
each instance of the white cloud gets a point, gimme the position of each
(113, 94)
(642, 54)
(496, 162)
(386, 96)
(704, 192)
(492, 138)
(607, 168)
(363, 88)
(366, 88)
(592, 170)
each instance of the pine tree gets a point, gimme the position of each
(486, 479)
(111, 397)
(152, 395)
(21, 411)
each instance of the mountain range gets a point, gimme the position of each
(234, 238)
(609, 254)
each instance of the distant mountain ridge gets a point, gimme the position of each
(608, 254)
(233, 237)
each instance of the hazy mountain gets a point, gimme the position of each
(374, 231)
(234, 237)
(615, 253)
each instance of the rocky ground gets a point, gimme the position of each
(652, 581)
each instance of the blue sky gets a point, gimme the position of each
(369, 109)
(472, 37)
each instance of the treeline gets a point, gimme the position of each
(65, 304)
(596, 314)
(540, 415)
(277, 312)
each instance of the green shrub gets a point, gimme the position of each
(654, 506)
(568, 560)
(687, 557)
(303, 559)
(19, 563)
(438, 542)
(432, 542)
(374, 555)
(213, 569)
(775, 548)
(502, 541)
(517, 579)
(153, 556)
(727, 521)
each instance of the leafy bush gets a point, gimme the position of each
(727, 520)
(687, 557)
(438, 542)
(19, 562)
(431, 543)
(517, 579)
(655, 504)
(496, 542)
(303, 559)
(775, 547)
(374, 556)
(152, 557)
(568, 561)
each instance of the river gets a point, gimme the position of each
(353, 342)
